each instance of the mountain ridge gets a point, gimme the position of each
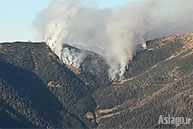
(158, 81)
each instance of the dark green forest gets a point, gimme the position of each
(38, 91)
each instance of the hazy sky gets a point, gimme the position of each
(17, 17)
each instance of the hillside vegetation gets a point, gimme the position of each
(38, 90)
(159, 81)
(36, 85)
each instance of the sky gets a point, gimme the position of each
(17, 16)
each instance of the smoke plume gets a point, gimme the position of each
(114, 33)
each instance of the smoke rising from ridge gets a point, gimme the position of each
(114, 33)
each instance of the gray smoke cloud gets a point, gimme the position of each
(114, 33)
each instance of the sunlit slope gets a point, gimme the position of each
(159, 81)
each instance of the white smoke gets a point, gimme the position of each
(126, 31)
(115, 32)
(71, 57)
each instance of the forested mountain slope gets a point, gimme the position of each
(38, 90)
(159, 81)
